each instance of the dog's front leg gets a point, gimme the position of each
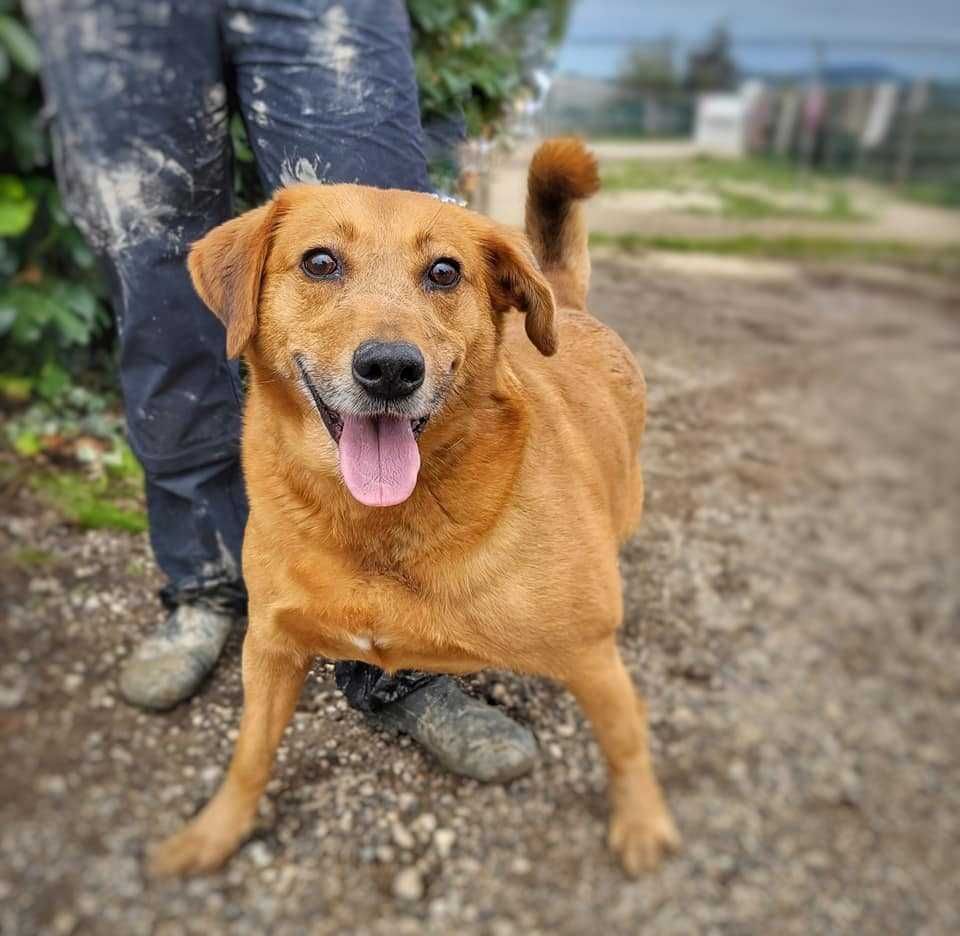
(272, 680)
(641, 829)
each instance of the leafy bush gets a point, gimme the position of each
(52, 302)
(475, 57)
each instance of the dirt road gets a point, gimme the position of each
(792, 611)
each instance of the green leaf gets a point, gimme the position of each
(53, 380)
(20, 45)
(72, 329)
(9, 260)
(29, 142)
(16, 207)
(14, 388)
(239, 140)
(83, 303)
(88, 502)
(27, 443)
(79, 252)
(15, 218)
(122, 463)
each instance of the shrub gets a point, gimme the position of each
(52, 301)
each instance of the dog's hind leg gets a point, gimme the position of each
(641, 829)
(272, 680)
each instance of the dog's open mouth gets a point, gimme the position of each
(378, 454)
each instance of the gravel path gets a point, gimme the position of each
(792, 611)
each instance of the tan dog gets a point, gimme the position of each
(430, 488)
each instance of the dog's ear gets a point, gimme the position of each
(226, 266)
(517, 283)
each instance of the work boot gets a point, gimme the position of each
(169, 666)
(469, 737)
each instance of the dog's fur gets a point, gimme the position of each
(505, 555)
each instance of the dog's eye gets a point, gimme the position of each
(320, 264)
(444, 273)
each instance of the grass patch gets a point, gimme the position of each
(745, 205)
(89, 503)
(942, 260)
(840, 208)
(632, 175)
(708, 172)
(771, 173)
(744, 188)
(136, 568)
(942, 194)
(110, 500)
(28, 557)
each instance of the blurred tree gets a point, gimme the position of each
(475, 56)
(648, 69)
(711, 67)
(648, 75)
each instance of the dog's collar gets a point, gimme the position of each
(448, 199)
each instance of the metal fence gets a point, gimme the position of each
(888, 111)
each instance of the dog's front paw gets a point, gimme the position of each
(198, 848)
(642, 833)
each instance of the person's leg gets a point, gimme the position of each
(139, 120)
(328, 93)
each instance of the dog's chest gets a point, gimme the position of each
(397, 624)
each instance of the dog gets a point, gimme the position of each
(441, 451)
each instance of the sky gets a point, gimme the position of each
(918, 38)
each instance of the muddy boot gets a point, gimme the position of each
(467, 736)
(170, 664)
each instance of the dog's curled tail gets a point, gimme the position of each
(562, 174)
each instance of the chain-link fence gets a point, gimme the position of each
(887, 111)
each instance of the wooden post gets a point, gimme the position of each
(916, 102)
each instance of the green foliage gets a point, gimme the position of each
(475, 56)
(749, 188)
(911, 256)
(18, 44)
(945, 194)
(247, 188)
(105, 489)
(102, 502)
(17, 208)
(649, 69)
(52, 305)
(28, 557)
(63, 414)
(711, 67)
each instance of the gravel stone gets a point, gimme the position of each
(408, 884)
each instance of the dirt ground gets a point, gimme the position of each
(792, 612)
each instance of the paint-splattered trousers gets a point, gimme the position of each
(139, 94)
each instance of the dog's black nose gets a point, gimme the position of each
(389, 370)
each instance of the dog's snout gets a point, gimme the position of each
(389, 370)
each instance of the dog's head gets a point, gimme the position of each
(380, 309)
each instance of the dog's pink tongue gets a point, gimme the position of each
(379, 459)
